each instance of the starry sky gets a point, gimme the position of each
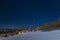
(15, 13)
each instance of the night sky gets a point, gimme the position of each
(14, 13)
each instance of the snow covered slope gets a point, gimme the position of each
(38, 35)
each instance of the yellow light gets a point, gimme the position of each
(21, 33)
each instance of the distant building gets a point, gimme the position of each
(21, 31)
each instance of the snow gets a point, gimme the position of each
(38, 35)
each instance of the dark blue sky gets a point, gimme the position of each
(18, 12)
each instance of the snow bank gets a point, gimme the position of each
(38, 35)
